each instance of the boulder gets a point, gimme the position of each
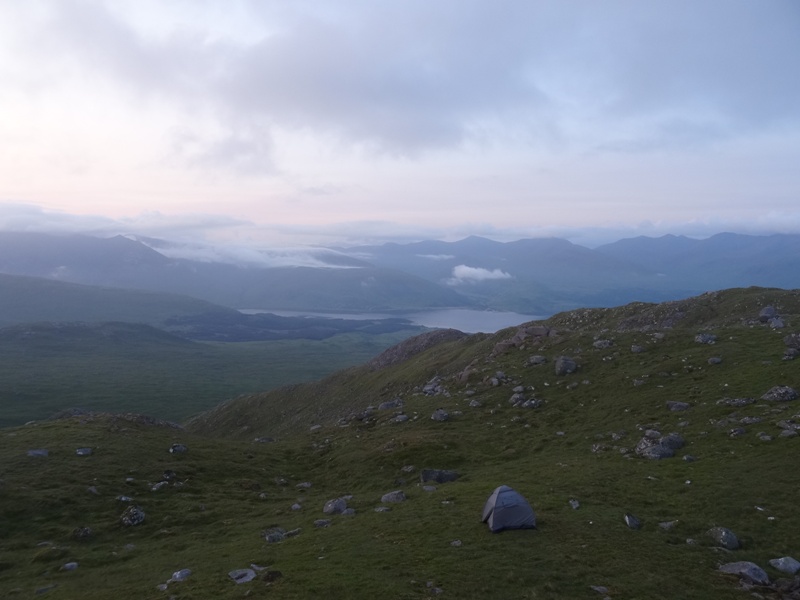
(395, 496)
(602, 344)
(780, 393)
(178, 449)
(632, 522)
(133, 515)
(335, 507)
(440, 414)
(724, 538)
(746, 570)
(536, 359)
(676, 405)
(787, 565)
(565, 365)
(396, 403)
(242, 575)
(705, 338)
(767, 313)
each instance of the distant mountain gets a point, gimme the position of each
(530, 276)
(34, 299)
(721, 261)
(125, 263)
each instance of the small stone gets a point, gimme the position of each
(348, 512)
(429, 488)
(382, 509)
(38, 452)
(322, 523)
(632, 522)
(242, 575)
(297, 506)
(304, 485)
(714, 360)
(274, 535)
(667, 525)
(574, 504)
(83, 451)
(440, 414)
(178, 449)
(314, 428)
(456, 543)
(181, 575)
(93, 490)
(600, 589)
(676, 406)
(70, 566)
(395, 496)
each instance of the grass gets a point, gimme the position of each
(233, 488)
(120, 367)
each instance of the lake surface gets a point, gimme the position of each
(468, 321)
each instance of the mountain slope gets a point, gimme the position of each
(570, 450)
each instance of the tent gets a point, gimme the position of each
(508, 509)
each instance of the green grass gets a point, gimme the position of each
(119, 367)
(232, 488)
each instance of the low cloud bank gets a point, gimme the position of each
(465, 274)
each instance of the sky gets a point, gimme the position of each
(311, 122)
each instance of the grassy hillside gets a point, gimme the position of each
(27, 299)
(577, 444)
(116, 367)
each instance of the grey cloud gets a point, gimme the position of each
(406, 77)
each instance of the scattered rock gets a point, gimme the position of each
(83, 451)
(746, 570)
(705, 338)
(780, 393)
(133, 515)
(438, 475)
(428, 488)
(736, 402)
(676, 406)
(767, 313)
(70, 566)
(602, 344)
(714, 360)
(322, 523)
(724, 537)
(787, 565)
(667, 525)
(565, 365)
(335, 507)
(181, 575)
(475, 403)
(396, 403)
(574, 504)
(38, 452)
(632, 522)
(242, 575)
(395, 496)
(314, 428)
(537, 359)
(637, 349)
(440, 414)
(178, 449)
(304, 485)
(81, 534)
(456, 543)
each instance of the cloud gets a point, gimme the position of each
(405, 78)
(465, 274)
(436, 256)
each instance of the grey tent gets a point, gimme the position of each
(508, 509)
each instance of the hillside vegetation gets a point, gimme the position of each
(247, 485)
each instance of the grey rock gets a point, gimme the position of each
(297, 506)
(181, 575)
(673, 441)
(565, 365)
(667, 525)
(714, 360)
(602, 344)
(787, 565)
(677, 406)
(293, 532)
(537, 359)
(746, 570)
(314, 428)
(780, 393)
(242, 575)
(737, 432)
(637, 349)
(322, 523)
(264, 440)
(303, 485)
(93, 490)
(83, 451)
(440, 414)
(475, 403)
(788, 433)
(705, 338)
(178, 449)
(382, 509)
(395, 496)
(82, 534)
(736, 402)
(438, 475)
(689, 458)
(274, 535)
(724, 537)
(632, 522)
(456, 543)
(600, 589)
(400, 419)
(349, 512)
(574, 504)
(777, 323)
(38, 452)
(792, 341)
(396, 403)
(335, 506)
(657, 452)
(70, 566)
(429, 488)
(767, 313)
(133, 515)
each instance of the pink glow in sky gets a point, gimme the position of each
(274, 122)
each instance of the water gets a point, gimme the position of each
(463, 319)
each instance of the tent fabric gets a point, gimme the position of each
(507, 509)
